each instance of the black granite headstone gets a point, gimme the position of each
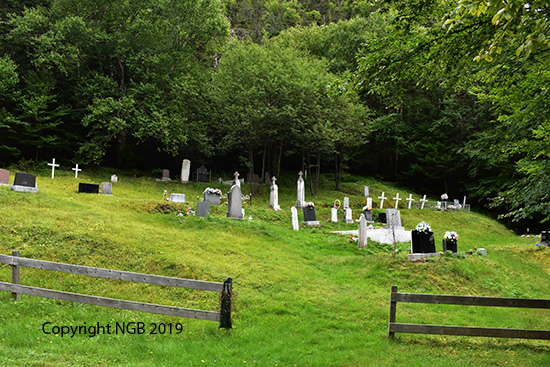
(24, 179)
(450, 245)
(203, 175)
(382, 218)
(422, 242)
(309, 215)
(87, 188)
(544, 238)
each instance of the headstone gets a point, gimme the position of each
(185, 170)
(301, 191)
(362, 237)
(252, 178)
(274, 195)
(334, 215)
(235, 203)
(76, 170)
(309, 215)
(464, 202)
(267, 180)
(382, 218)
(177, 198)
(393, 218)
(348, 217)
(114, 178)
(212, 197)
(369, 202)
(424, 201)
(53, 165)
(203, 208)
(366, 191)
(4, 177)
(202, 174)
(368, 215)
(236, 181)
(482, 251)
(397, 198)
(438, 205)
(545, 238)
(86, 188)
(346, 202)
(165, 175)
(449, 245)
(24, 182)
(382, 198)
(422, 242)
(294, 214)
(410, 200)
(106, 188)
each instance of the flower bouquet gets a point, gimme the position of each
(423, 227)
(210, 190)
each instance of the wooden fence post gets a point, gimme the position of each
(393, 309)
(15, 274)
(225, 312)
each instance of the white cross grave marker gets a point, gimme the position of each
(410, 200)
(53, 166)
(397, 198)
(76, 170)
(423, 200)
(382, 198)
(464, 203)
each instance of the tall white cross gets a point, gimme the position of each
(464, 203)
(410, 200)
(423, 200)
(382, 198)
(397, 198)
(76, 170)
(53, 166)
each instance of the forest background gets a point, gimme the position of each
(443, 96)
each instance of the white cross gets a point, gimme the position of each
(423, 200)
(464, 203)
(397, 198)
(410, 200)
(382, 198)
(76, 170)
(53, 166)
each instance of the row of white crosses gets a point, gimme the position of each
(53, 165)
(397, 198)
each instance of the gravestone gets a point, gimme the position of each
(348, 218)
(362, 237)
(424, 201)
(393, 218)
(86, 188)
(203, 175)
(235, 203)
(274, 195)
(53, 165)
(368, 215)
(449, 245)
(369, 202)
(4, 177)
(366, 191)
(236, 180)
(203, 208)
(301, 191)
(382, 218)
(177, 198)
(346, 202)
(382, 198)
(24, 182)
(397, 198)
(252, 178)
(185, 169)
(212, 198)
(410, 200)
(334, 215)
(294, 214)
(114, 178)
(165, 175)
(106, 188)
(267, 180)
(76, 170)
(309, 215)
(545, 238)
(422, 242)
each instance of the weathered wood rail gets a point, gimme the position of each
(395, 327)
(225, 288)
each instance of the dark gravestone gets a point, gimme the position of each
(203, 208)
(4, 177)
(422, 242)
(203, 175)
(309, 216)
(382, 218)
(450, 245)
(368, 215)
(165, 175)
(24, 179)
(87, 188)
(252, 178)
(544, 238)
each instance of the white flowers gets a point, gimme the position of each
(423, 227)
(210, 190)
(450, 235)
(444, 197)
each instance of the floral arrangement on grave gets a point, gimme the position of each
(210, 190)
(444, 197)
(310, 204)
(423, 227)
(367, 208)
(353, 239)
(190, 211)
(451, 236)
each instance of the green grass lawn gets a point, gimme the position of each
(307, 298)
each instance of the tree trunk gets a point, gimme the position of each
(261, 178)
(279, 162)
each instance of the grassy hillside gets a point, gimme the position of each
(307, 298)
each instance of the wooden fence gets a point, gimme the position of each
(394, 327)
(226, 289)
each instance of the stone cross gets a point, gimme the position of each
(301, 191)
(397, 198)
(464, 203)
(53, 166)
(236, 182)
(423, 200)
(362, 237)
(274, 195)
(382, 198)
(76, 170)
(410, 200)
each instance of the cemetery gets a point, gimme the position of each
(272, 246)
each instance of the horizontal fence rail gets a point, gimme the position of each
(394, 327)
(226, 289)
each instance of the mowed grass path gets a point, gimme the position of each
(307, 298)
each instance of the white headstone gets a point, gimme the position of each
(362, 238)
(274, 195)
(235, 201)
(369, 202)
(185, 169)
(346, 202)
(397, 198)
(393, 218)
(424, 201)
(366, 191)
(348, 217)
(294, 213)
(410, 200)
(177, 198)
(334, 215)
(114, 178)
(107, 188)
(236, 181)
(53, 165)
(76, 170)
(382, 198)
(464, 202)
(301, 191)
(438, 206)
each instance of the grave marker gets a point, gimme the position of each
(76, 170)
(185, 169)
(177, 198)
(24, 182)
(410, 200)
(235, 203)
(53, 165)
(86, 188)
(301, 191)
(366, 191)
(424, 201)
(348, 217)
(203, 208)
(397, 198)
(274, 195)
(309, 215)
(362, 237)
(346, 202)
(165, 175)
(203, 175)
(294, 214)
(393, 218)
(107, 188)
(114, 178)
(4, 177)
(382, 198)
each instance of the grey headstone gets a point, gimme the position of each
(334, 215)
(348, 216)
(346, 202)
(267, 179)
(366, 191)
(165, 175)
(177, 198)
(114, 178)
(362, 237)
(212, 198)
(4, 177)
(235, 203)
(106, 188)
(203, 208)
(24, 179)
(393, 218)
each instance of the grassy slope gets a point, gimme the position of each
(307, 298)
